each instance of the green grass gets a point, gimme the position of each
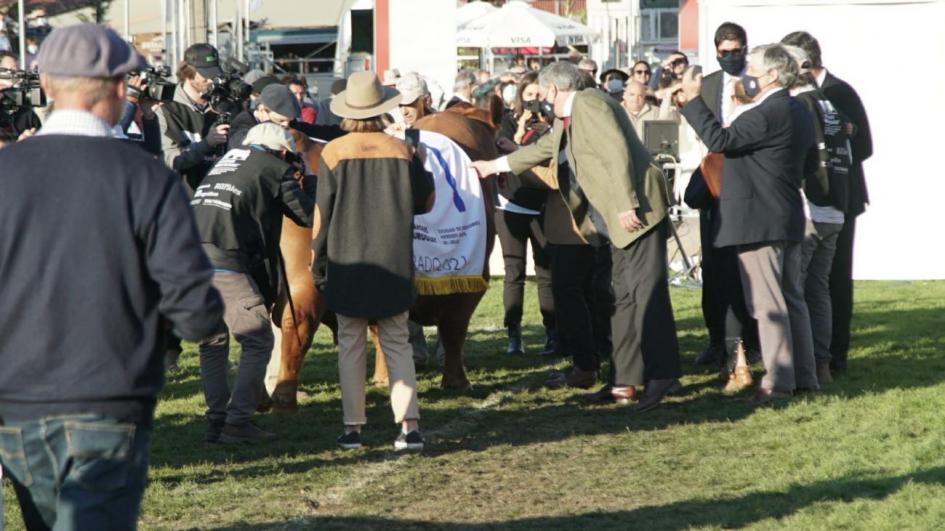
(868, 453)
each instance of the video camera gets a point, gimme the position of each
(158, 85)
(229, 92)
(25, 92)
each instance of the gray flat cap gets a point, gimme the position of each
(87, 50)
(279, 99)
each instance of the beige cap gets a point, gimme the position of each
(271, 136)
(411, 86)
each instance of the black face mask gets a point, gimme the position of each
(751, 86)
(533, 106)
(548, 111)
(732, 64)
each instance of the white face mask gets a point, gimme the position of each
(32, 48)
(508, 94)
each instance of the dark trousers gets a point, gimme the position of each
(645, 343)
(580, 281)
(723, 300)
(76, 471)
(515, 231)
(841, 295)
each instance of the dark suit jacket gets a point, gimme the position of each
(766, 152)
(846, 100)
(611, 165)
(711, 92)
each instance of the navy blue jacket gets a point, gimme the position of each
(768, 150)
(98, 247)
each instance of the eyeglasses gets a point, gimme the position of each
(726, 53)
(646, 72)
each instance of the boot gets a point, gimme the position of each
(515, 341)
(823, 373)
(551, 342)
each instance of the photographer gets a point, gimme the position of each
(191, 132)
(15, 118)
(140, 97)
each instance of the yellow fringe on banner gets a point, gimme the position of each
(450, 285)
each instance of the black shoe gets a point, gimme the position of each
(409, 441)
(214, 427)
(350, 440)
(551, 342)
(711, 355)
(244, 433)
(515, 341)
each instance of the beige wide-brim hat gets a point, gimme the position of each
(364, 98)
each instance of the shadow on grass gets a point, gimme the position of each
(726, 513)
(903, 363)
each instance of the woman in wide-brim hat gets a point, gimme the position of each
(370, 185)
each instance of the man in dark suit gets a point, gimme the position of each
(846, 100)
(722, 298)
(462, 88)
(614, 193)
(767, 149)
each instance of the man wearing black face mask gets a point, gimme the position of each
(768, 149)
(723, 305)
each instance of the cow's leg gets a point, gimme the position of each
(380, 378)
(297, 335)
(452, 331)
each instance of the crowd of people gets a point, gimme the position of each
(128, 224)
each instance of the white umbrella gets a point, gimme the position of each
(518, 25)
(472, 11)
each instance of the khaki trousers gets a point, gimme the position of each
(774, 294)
(352, 367)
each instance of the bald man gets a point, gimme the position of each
(639, 110)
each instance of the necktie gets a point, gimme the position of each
(567, 122)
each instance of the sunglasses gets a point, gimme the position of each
(647, 72)
(678, 62)
(727, 53)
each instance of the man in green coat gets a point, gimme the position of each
(616, 194)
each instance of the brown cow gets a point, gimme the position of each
(450, 313)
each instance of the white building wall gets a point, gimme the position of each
(899, 237)
(423, 39)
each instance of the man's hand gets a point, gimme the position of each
(691, 86)
(485, 168)
(139, 85)
(26, 134)
(217, 135)
(630, 221)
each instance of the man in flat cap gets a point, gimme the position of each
(100, 257)
(275, 103)
(239, 208)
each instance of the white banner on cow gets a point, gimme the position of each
(449, 242)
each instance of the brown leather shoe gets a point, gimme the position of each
(576, 377)
(765, 396)
(654, 393)
(823, 373)
(738, 381)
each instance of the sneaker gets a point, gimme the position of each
(214, 427)
(409, 441)
(244, 433)
(350, 440)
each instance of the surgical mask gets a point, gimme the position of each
(732, 64)
(751, 85)
(32, 48)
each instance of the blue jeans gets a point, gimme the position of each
(76, 471)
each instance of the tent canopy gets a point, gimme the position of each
(473, 10)
(517, 25)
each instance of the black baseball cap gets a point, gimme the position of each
(205, 59)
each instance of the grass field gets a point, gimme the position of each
(868, 453)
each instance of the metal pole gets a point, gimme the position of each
(164, 32)
(181, 29)
(128, 20)
(238, 30)
(215, 23)
(246, 32)
(22, 34)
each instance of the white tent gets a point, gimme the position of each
(899, 236)
(472, 11)
(518, 25)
